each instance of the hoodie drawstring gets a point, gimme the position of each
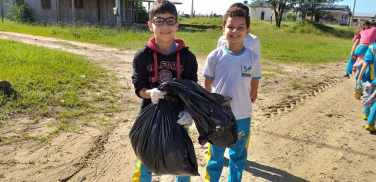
(155, 68)
(178, 66)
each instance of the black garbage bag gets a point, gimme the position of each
(211, 112)
(162, 145)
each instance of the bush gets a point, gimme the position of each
(310, 27)
(19, 12)
(291, 17)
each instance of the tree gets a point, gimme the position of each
(313, 7)
(278, 8)
(328, 16)
(143, 15)
(19, 12)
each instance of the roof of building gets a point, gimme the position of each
(334, 7)
(261, 4)
(370, 15)
(173, 1)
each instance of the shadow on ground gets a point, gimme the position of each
(268, 173)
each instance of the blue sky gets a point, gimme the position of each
(361, 6)
(220, 6)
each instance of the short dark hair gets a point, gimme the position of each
(237, 10)
(161, 7)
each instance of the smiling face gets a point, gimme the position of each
(235, 30)
(163, 33)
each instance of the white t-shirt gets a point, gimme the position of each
(251, 42)
(232, 75)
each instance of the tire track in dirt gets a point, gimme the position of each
(94, 152)
(292, 102)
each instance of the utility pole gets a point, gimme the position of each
(192, 14)
(73, 14)
(353, 14)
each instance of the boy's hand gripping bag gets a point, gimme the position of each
(211, 112)
(162, 145)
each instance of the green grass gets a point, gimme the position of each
(52, 84)
(292, 43)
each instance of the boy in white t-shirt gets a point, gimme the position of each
(234, 71)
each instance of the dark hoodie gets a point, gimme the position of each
(151, 58)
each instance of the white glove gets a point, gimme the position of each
(156, 95)
(185, 119)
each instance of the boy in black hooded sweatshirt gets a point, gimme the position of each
(163, 58)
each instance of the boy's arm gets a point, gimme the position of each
(257, 47)
(359, 81)
(145, 93)
(356, 43)
(208, 84)
(368, 59)
(254, 88)
(140, 77)
(191, 67)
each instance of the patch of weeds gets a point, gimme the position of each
(268, 75)
(28, 136)
(100, 97)
(6, 140)
(295, 85)
(279, 71)
(85, 123)
(2, 176)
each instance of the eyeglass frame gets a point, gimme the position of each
(164, 20)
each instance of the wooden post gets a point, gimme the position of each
(73, 16)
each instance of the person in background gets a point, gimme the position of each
(369, 70)
(163, 58)
(233, 70)
(366, 34)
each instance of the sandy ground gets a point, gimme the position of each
(314, 132)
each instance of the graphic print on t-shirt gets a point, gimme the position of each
(246, 72)
(164, 76)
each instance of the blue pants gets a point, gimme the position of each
(360, 50)
(367, 110)
(141, 174)
(372, 114)
(238, 156)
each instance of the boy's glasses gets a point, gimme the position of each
(160, 21)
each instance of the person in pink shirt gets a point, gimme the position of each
(366, 33)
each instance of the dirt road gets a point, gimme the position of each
(306, 126)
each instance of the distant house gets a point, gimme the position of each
(260, 10)
(341, 13)
(364, 16)
(82, 11)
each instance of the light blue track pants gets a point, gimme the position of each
(142, 174)
(372, 115)
(360, 50)
(238, 156)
